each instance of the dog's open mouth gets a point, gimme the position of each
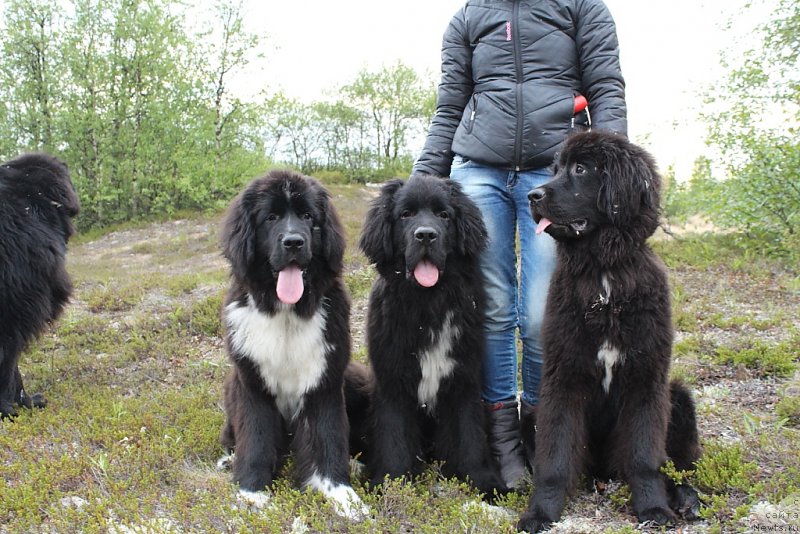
(542, 224)
(290, 284)
(426, 273)
(577, 226)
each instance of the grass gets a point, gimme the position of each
(133, 373)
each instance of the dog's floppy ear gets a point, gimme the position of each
(50, 177)
(332, 232)
(376, 236)
(239, 232)
(631, 184)
(470, 227)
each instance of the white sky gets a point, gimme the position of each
(669, 51)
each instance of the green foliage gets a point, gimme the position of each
(360, 137)
(789, 406)
(131, 101)
(768, 359)
(141, 109)
(761, 194)
(676, 475)
(724, 467)
(682, 200)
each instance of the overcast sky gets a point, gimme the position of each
(670, 50)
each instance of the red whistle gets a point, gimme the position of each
(580, 103)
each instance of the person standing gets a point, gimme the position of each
(516, 78)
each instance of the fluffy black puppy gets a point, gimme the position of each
(37, 203)
(607, 406)
(286, 320)
(425, 332)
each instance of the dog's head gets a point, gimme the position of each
(414, 227)
(43, 180)
(279, 231)
(601, 180)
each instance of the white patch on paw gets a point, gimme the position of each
(256, 499)
(495, 513)
(345, 500)
(299, 526)
(225, 462)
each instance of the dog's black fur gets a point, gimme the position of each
(284, 392)
(37, 203)
(608, 297)
(424, 237)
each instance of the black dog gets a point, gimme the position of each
(607, 406)
(424, 333)
(37, 203)
(286, 319)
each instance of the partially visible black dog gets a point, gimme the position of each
(607, 405)
(37, 203)
(286, 319)
(425, 333)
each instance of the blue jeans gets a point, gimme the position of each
(516, 290)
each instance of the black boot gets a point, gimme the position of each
(527, 418)
(505, 443)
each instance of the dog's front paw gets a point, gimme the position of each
(656, 516)
(7, 410)
(225, 462)
(533, 523)
(255, 499)
(687, 502)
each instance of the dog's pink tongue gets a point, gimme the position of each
(426, 274)
(544, 222)
(290, 284)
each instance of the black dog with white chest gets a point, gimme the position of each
(425, 332)
(37, 204)
(286, 320)
(607, 405)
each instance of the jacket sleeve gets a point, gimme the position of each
(455, 90)
(601, 75)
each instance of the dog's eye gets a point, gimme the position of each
(405, 214)
(272, 217)
(307, 216)
(580, 169)
(443, 215)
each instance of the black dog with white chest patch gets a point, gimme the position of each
(286, 320)
(37, 204)
(425, 332)
(607, 406)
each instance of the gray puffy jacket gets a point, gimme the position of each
(510, 72)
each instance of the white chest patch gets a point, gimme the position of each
(608, 356)
(606, 288)
(436, 363)
(289, 351)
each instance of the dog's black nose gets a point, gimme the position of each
(293, 241)
(535, 195)
(425, 234)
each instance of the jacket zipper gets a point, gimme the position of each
(472, 113)
(518, 65)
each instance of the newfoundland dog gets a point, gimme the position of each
(424, 333)
(37, 203)
(607, 405)
(286, 322)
